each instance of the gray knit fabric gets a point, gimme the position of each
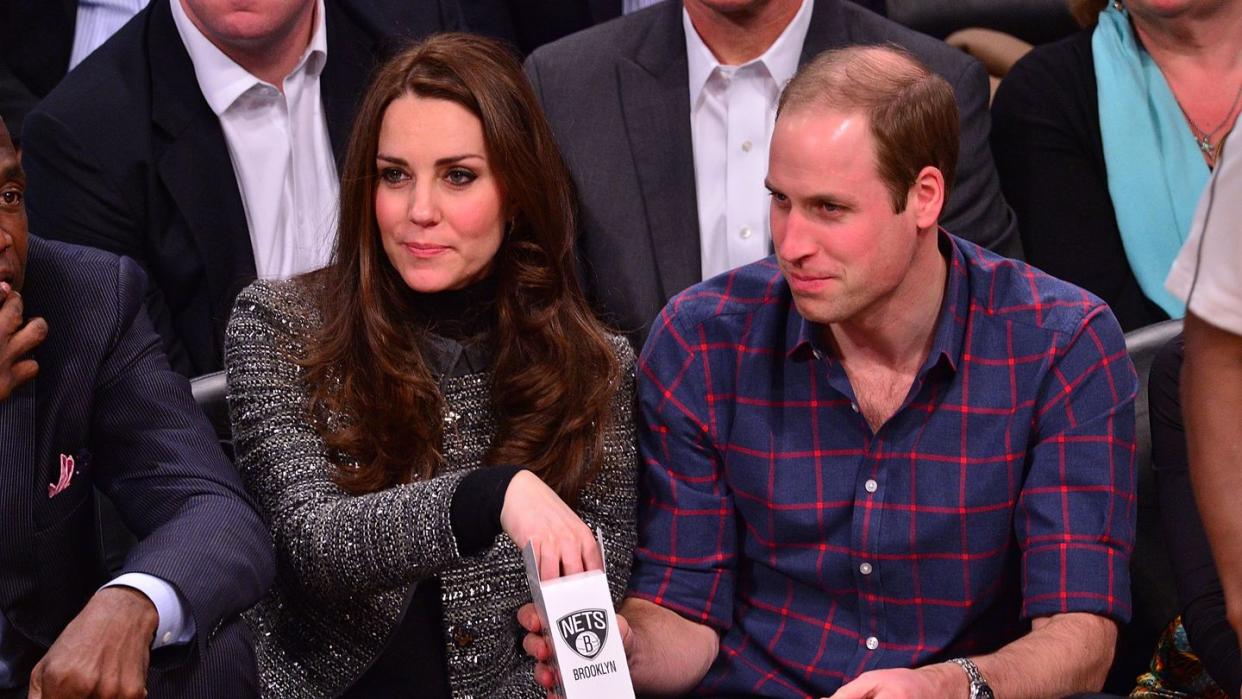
(346, 564)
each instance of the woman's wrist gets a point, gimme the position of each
(476, 507)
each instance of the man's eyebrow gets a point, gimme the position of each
(13, 173)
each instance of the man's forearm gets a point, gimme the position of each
(668, 654)
(1212, 406)
(1063, 654)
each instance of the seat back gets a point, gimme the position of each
(211, 393)
(1033, 21)
(1152, 586)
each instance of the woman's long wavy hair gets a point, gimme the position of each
(554, 373)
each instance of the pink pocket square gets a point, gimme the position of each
(66, 475)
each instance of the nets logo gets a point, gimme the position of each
(585, 631)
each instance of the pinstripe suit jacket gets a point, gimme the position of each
(106, 398)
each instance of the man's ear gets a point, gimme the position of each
(927, 197)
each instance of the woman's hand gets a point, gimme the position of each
(564, 545)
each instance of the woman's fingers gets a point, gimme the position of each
(591, 555)
(549, 561)
(571, 557)
(533, 512)
(528, 617)
(536, 647)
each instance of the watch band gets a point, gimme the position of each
(979, 688)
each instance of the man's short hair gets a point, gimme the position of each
(911, 111)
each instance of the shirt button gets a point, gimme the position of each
(872, 643)
(167, 637)
(865, 569)
(871, 486)
(818, 354)
(746, 146)
(854, 406)
(745, 232)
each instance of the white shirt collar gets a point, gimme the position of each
(220, 79)
(781, 58)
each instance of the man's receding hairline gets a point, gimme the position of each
(881, 61)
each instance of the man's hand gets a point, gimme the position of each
(103, 653)
(940, 681)
(536, 646)
(16, 341)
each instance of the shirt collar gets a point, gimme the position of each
(220, 79)
(781, 58)
(951, 321)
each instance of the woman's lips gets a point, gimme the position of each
(424, 250)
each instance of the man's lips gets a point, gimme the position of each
(807, 283)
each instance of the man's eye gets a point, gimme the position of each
(779, 198)
(11, 197)
(459, 176)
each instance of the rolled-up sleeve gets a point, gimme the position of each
(1076, 514)
(687, 540)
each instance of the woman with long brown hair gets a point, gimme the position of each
(437, 396)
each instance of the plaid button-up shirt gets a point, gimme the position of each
(1000, 491)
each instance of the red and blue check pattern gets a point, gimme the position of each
(1002, 490)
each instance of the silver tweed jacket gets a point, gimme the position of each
(346, 564)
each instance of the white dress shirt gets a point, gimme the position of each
(96, 21)
(278, 142)
(732, 110)
(1205, 274)
(632, 6)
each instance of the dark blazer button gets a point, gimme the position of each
(463, 636)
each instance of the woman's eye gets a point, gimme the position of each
(11, 197)
(459, 176)
(392, 175)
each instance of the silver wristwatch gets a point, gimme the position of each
(979, 688)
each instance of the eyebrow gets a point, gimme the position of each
(13, 173)
(839, 199)
(447, 160)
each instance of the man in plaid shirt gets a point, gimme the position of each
(886, 462)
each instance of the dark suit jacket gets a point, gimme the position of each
(126, 155)
(529, 24)
(106, 398)
(36, 38)
(617, 98)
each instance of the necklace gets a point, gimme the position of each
(1203, 139)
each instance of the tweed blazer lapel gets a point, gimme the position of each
(193, 163)
(655, 102)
